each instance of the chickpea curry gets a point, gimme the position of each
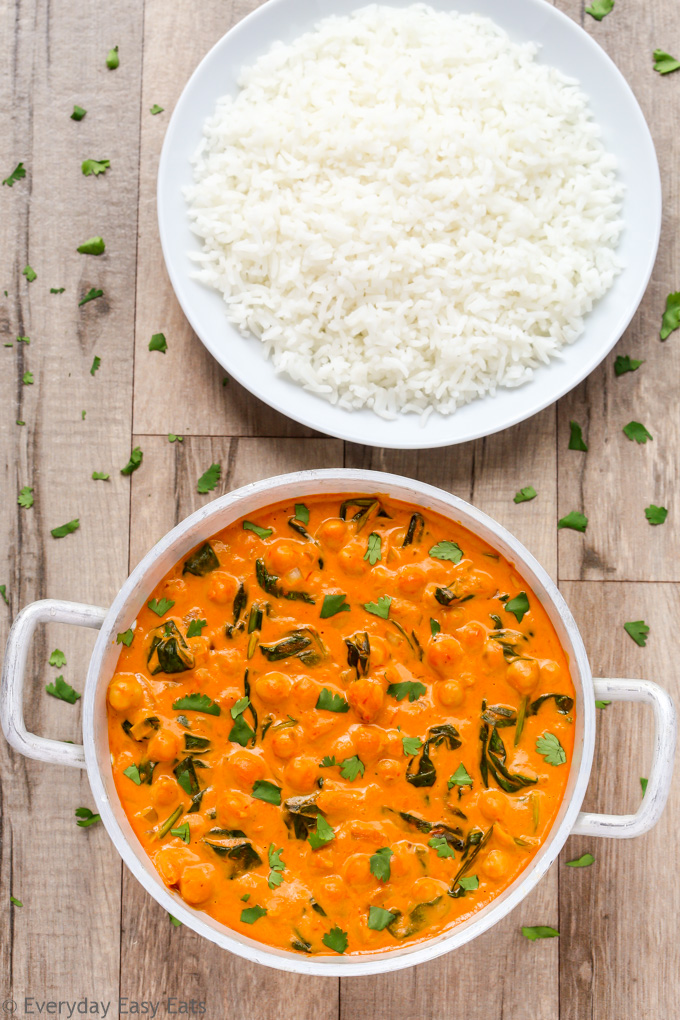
(341, 724)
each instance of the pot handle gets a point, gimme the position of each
(658, 786)
(58, 752)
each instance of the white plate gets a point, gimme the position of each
(564, 45)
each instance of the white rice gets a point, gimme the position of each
(406, 209)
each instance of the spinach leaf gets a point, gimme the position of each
(169, 652)
(358, 652)
(416, 527)
(202, 561)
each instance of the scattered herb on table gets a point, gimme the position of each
(643, 784)
(57, 658)
(158, 343)
(584, 861)
(93, 246)
(209, 479)
(100, 476)
(112, 59)
(30, 274)
(576, 440)
(174, 922)
(637, 432)
(17, 174)
(638, 630)
(62, 690)
(134, 461)
(15, 902)
(599, 9)
(65, 529)
(525, 494)
(664, 63)
(86, 818)
(575, 520)
(94, 167)
(172, 438)
(539, 931)
(27, 379)
(95, 364)
(92, 294)
(3, 593)
(78, 113)
(656, 514)
(57, 290)
(602, 704)
(155, 109)
(25, 497)
(624, 364)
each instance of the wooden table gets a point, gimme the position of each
(86, 929)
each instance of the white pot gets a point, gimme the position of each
(95, 756)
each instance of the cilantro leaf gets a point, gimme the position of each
(374, 551)
(335, 939)
(160, 608)
(94, 167)
(125, 638)
(132, 772)
(584, 861)
(57, 290)
(240, 707)
(637, 432)
(23, 340)
(352, 767)
(469, 883)
(266, 791)
(65, 529)
(15, 901)
(27, 379)
(112, 59)
(380, 863)
(380, 608)
(328, 761)
(323, 835)
(17, 174)
(63, 691)
(525, 494)
(643, 784)
(195, 628)
(638, 630)
(413, 688)
(656, 514)
(435, 627)
(174, 922)
(95, 364)
(182, 832)
(196, 703)
(447, 551)
(550, 748)
(301, 513)
(276, 865)
(25, 498)
(575, 520)
(93, 246)
(576, 441)
(78, 113)
(158, 343)
(260, 532)
(330, 702)
(100, 476)
(411, 745)
(519, 606)
(57, 658)
(538, 931)
(172, 438)
(249, 915)
(3, 592)
(209, 479)
(461, 777)
(664, 63)
(624, 364)
(240, 733)
(599, 9)
(439, 844)
(671, 317)
(87, 817)
(92, 294)
(134, 461)
(379, 918)
(30, 274)
(333, 604)
(602, 704)
(155, 109)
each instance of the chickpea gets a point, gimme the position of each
(351, 559)
(368, 743)
(495, 864)
(322, 860)
(245, 767)
(492, 804)
(332, 533)
(286, 743)
(339, 803)
(305, 692)
(551, 672)
(233, 808)
(388, 770)
(357, 870)
(170, 862)
(163, 746)
(223, 587)
(380, 652)
(412, 578)
(472, 634)
(125, 692)
(198, 825)
(301, 773)
(164, 792)
(523, 675)
(492, 654)
(366, 698)
(197, 883)
(443, 652)
(450, 693)
(273, 688)
(285, 555)
(334, 889)
(426, 889)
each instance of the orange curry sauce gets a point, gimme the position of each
(341, 725)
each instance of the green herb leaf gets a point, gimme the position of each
(78, 113)
(624, 364)
(539, 931)
(328, 761)
(241, 733)
(27, 379)
(94, 167)
(196, 703)
(100, 476)
(160, 608)
(435, 627)
(374, 551)
(380, 608)
(301, 513)
(411, 745)
(323, 835)
(440, 844)
(155, 109)
(182, 832)
(380, 863)
(174, 922)
(460, 777)
(95, 364)
(209, 479)
(125, 638)
(379, 918)
(328, 701)
(576, 441)
(643, 784)
(352, 767)
(447, 551)
(158, 343)
(335, 939)
(575, 520)
(25, 498)
(411, 688)
(599, 9)
(637, 432)
(3, 593)
(519, 606)
(195, 628)
(134, 461)
(172, 438)
(602, 704)
(266, 791)
(57, 290)
(249, 915)
(15, 901)
(91, 295)
(333, 604)
(260, 532)
(57, 658)
(469, 883)
(112, 59)
(30, 274)
(87, 817)
(94, 246)
(584, 861)
(277, 866)
(525, 494)
(63, 691)
(550, 748)
(638, 630)
(664, 63)
(65, 529)
(132, 772)
(17, 174)
(656, 514)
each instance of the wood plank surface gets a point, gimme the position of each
(86, 927)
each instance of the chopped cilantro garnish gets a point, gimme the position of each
(195, 628)
(57, 658)
(519, 606)
(100, 476)
(323, 835)
(94, 167)
(134, 461)
(95, 364)
(93, 246)
(624, 363)
(158, 343)
(155, 109)
(656, 514)
(575, 520)
(65, 529)
(132, 772)
(25, 498)
(209, 479)
(78, 113)
(637, 432)
(27, 378)
(17, 174)
(112, 59)
(330, 702)
(257, 530)
(664, 63)
(86, 817)
(549, 746)
(125, 638)
(599, 9)
(576, 441)
(160, 607)
(335, 939)
(266, 791)
(460, 777)
(92, 294)
(380, 863)
(412, 689)
(447, 551)
(249, 915)
(333, 604)
(411, 745)
(373, 552)
(379, 918)
(196, 703)
(380, 608)
(62, 690)
(638, 630)
(30, 274)
(525, 494)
